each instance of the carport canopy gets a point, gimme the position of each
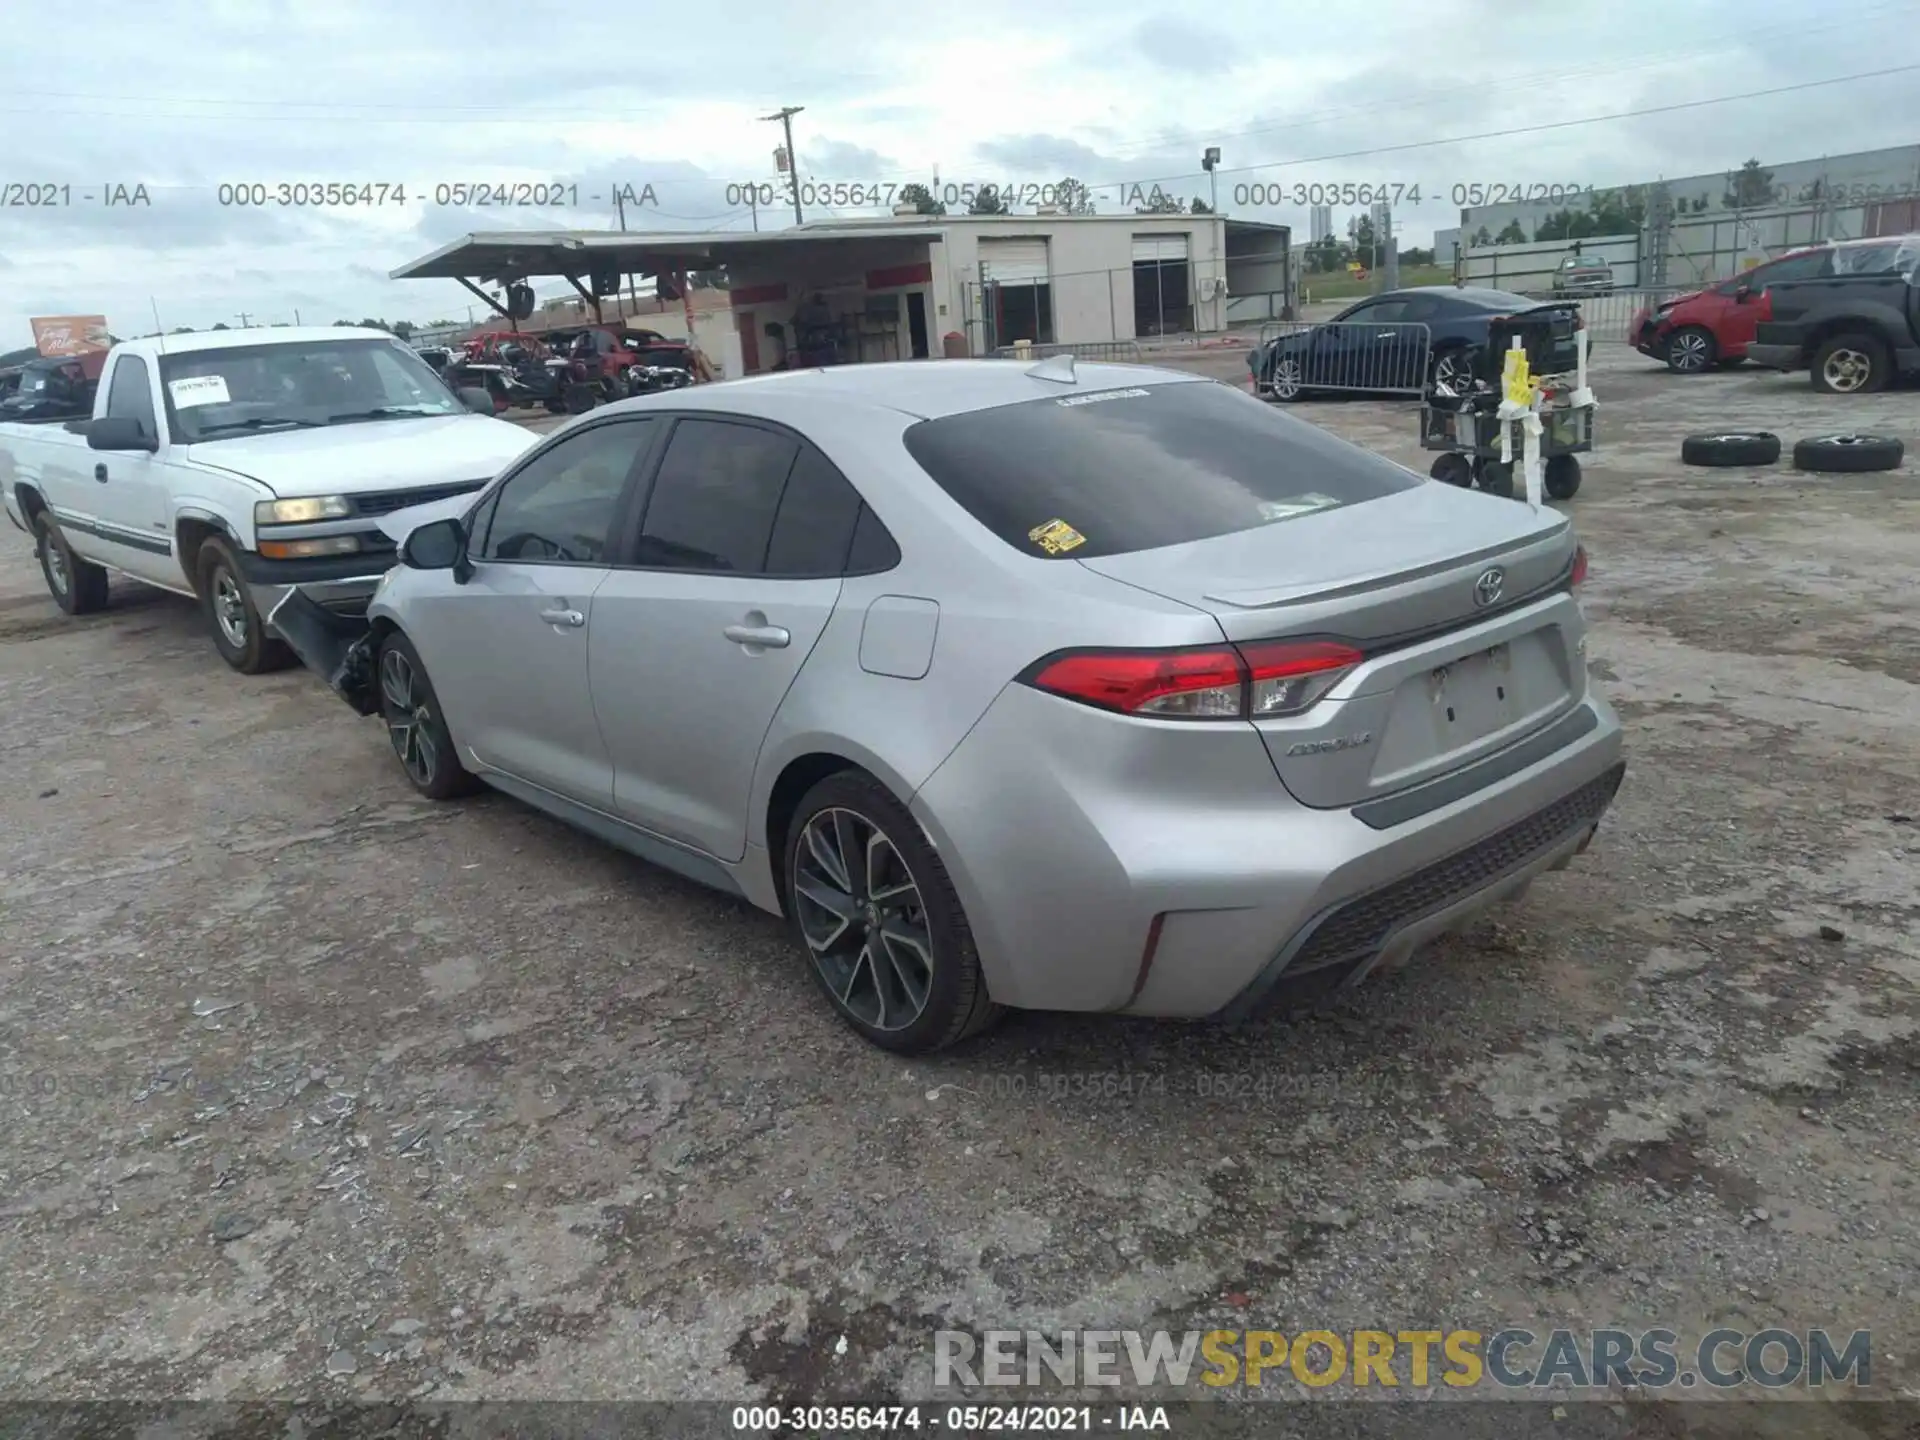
(506, 257)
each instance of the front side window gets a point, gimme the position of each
(1116, 471)
(244, 390)
(559, 507)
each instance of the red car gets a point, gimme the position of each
(624, 359)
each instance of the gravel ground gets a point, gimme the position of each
(314, 1089)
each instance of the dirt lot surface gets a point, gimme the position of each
(313, 1088)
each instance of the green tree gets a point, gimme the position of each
(403, 329)
(1749, 187)
(921, 198)
(1512, 233)
(987, 200)
(1482, 236)
(221, 325)
(1199, 207)
(1363, 240)
(373, 325)
(1325, 255)
(1160, 203)
(1073, 197)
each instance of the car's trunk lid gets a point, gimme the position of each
(1458, 665)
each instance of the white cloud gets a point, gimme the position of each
(1112, 91)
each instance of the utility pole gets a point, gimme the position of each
(244, 319)
(1207, 161)
(785, 116)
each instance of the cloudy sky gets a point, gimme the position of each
(1114, 92)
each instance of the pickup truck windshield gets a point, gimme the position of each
(218, 394)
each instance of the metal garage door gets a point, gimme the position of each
(1013, 262)
(1159, 247)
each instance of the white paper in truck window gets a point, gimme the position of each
(199, 390)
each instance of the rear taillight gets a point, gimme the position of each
(1251, 681)
(1579, 566)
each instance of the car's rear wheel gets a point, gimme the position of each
(1289, 379)
(884, 932)
(78, 586)
(1453, 371)
(1851, 364)
(239, 629)
(1692, 349)
(416, 728)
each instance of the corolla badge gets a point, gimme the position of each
(1324, 747)
(1489, 587)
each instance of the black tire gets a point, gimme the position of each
(1847, 454)
(78, 586)
(1452, 371)
(1287, 379)
(1692, 350)
(1725, 449)
(1855, 363)
(416, 728)
(1562, 477)
(1495, 478)
(1453, 470)
(953, 1003)
(238, 628)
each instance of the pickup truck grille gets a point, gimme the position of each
(385, 502)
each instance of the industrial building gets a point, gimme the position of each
(911, 286)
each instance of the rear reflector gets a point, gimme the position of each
(1251, 681)
(1579, 565)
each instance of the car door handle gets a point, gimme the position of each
(772, 637)
(564, 617)
(100, 472)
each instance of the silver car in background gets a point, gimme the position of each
(1095, 688)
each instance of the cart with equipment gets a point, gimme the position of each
(1524, 401)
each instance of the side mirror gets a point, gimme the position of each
(476, 399)
(120, 432)
(437, 545)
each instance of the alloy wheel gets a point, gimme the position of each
(1689, 352)
(55, 559)
(1286, 378)
(229, 608)
(1847, 370)
(408, 718)
(860, 910)
(1451, 374)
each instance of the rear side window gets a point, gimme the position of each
(1115, 471)
(130, 395)
(814, 526)
(715, 498)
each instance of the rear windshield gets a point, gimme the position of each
(1114, 471)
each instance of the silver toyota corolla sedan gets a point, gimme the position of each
(1065, 687)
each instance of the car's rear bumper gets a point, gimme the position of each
(1090, 885)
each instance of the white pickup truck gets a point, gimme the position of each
(230, 465)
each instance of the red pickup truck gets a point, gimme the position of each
(625, 360)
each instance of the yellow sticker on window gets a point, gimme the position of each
(1056, 536)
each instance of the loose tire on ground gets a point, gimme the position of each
(1495, 477)
(1727, 448)
(1847, 454)
(416, 728)
(238, 628)
(1852, 364)
(1692, 350)
(953, 1001)
(1562, 477)
(1453, 470)
(78, 586)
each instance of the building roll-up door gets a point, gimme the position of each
(1013, 262)
(1159, 247)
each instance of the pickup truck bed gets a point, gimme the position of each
(1853, 333)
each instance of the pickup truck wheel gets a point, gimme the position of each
(1691, 350)
(239, 629)
(78, 586)
(415, 727)
(1852, 364)
(1848, 454)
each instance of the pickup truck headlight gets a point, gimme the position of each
(302, 511)
(308, 549)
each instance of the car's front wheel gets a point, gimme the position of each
(239, 629)
(416, 728)
(1691, 350)
(884, 932)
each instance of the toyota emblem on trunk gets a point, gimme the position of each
(1486, 590)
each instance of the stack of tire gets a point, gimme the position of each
(1842, 454)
